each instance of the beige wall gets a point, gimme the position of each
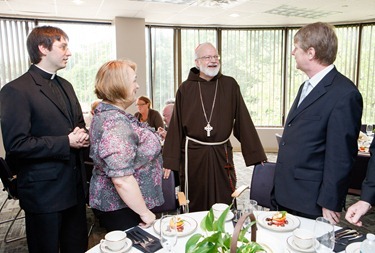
(131, 45)
(267, 137)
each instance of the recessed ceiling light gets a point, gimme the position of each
(77, 2)
(234, 15)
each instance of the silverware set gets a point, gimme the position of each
(142, 240)
(347, 235)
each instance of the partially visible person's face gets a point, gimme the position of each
(167, 114)
(206, 61)
(142, 106)
(301, 57)
(134, 86)
(58, 57)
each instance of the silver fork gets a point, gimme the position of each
(356, 237)
(139, 241)
(145, 238)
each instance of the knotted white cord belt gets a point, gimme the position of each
(186, 162)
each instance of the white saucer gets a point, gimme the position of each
(293, 246)
(353, 247)
(104, 249)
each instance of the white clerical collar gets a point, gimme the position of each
(320, 75)
(53, 74)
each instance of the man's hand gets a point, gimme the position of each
(332, 216)
(162, 132)
(356, 211)
(166, 173)
(78, 138)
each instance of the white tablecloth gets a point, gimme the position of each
(277, 241)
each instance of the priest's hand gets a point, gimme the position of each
(166, 173)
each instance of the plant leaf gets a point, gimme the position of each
(207, 221)
(192, 242)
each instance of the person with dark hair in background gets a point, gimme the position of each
(147, 114)
(208, 107)
(127, 175)
(44, 133)
(319, 142)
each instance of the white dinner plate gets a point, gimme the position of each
(293, 246)
(190, 225)
(353, 247)
(266, 248)
(293, 222)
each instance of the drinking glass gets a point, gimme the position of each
(324, 234)
(369, 129)
(168, 232)
(249, 206)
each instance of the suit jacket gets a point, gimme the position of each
(368, 185)
(35, 132)
(318, 147)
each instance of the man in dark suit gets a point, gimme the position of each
(361, 207)
(43, 132)
(319, 142)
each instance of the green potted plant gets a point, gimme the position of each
(216, 239)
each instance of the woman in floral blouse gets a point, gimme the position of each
(127, 174)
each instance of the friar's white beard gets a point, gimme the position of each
(210, 71)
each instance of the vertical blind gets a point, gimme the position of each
(13, 53)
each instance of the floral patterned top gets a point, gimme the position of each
(122, 146)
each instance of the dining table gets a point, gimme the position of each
(277, 241)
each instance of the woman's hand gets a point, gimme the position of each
(148, 219)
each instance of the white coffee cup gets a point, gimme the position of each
(303, 238)
(115, 240)
(218, 209)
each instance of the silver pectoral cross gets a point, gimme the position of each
(208, 129)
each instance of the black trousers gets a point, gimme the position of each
(121, 219)
(64, 231)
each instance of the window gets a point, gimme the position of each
(91, 45)
(190, 39)
(161, 57)
(14, 59)
(366, 74)
(254, 57)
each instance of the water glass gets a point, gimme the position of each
(249, 206)
(369, 129)
(168, 232)
(324, 234)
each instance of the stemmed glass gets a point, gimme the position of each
(168, 232)
(369, 129)
(324, 234)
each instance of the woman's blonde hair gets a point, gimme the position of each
(112, 82)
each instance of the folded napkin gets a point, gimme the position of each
(342, 243)
(136, 233)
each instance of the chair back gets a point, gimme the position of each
(8, 179)
(278, 138)
(262, 183)
(169, 192)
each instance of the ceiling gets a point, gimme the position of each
(197, 12)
